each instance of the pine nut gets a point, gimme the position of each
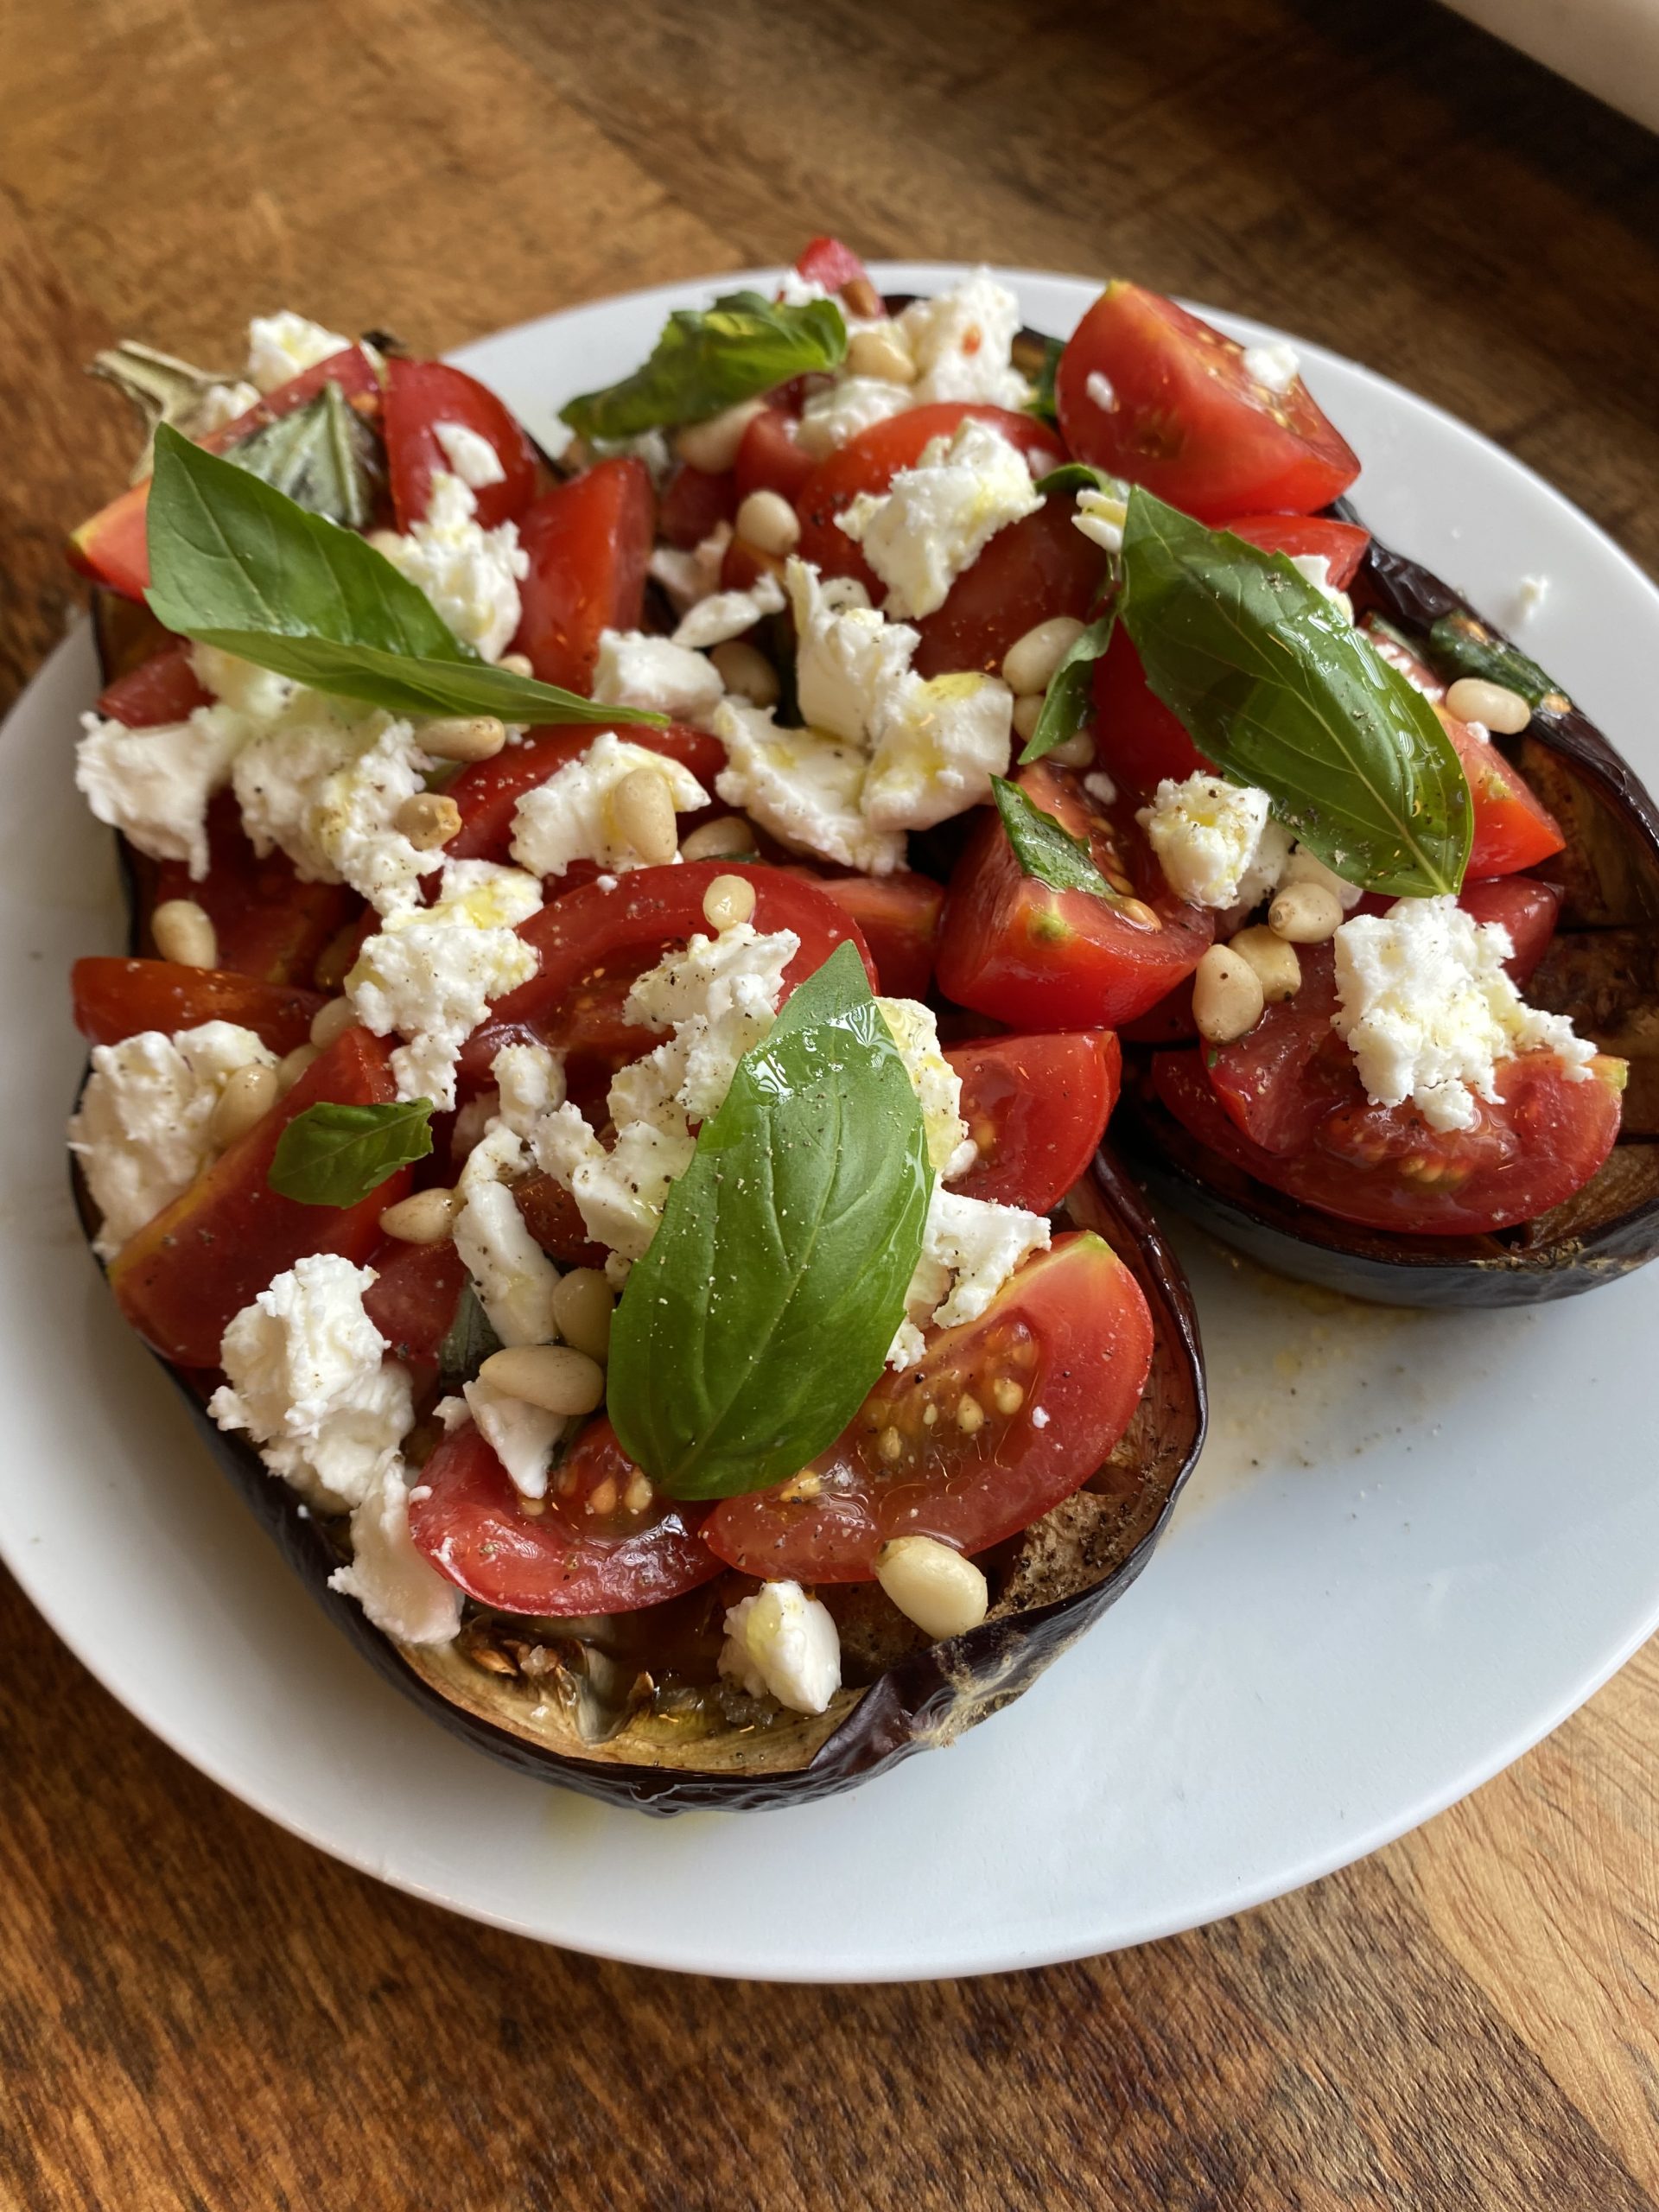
(712, 446)
(1304, 914)
(249, 1095)
(716, 841)
(1030, 663)
(881, 353)
(745, 669)
(556, 1377)
(1227, 995)
(293, 1066)
(331, 1022)
(933, 1586)
(1076, 751)
(642, 807)
(1025, 714)
(583, 1303)
(462, 737)
(728, 899)
(424, 1218)
(766, 521)
(184, 932)
(1273, 958)
(862, 296)
(517, 664)
(428, 820)
(1472, 699)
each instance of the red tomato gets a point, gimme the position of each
(769, 460)
(1526, 907)
(583, 1552)
(1186, 419)
(1278, 1083)
(183, 1276)
(269, 924)
(1036, 1109)
(694, 502)
(1513, 829)
(413, 1299)
(1071, 1331)
(898, 916)
(826, 261)
(117, 998)
(1035, 569)
(488, 791)
(1383, 1165)
(162, 689)
(1136, 736)
(554, 1219)
(350, 369)
(420, 395)
(1011, 947)
(1340, 545)
(589, 543)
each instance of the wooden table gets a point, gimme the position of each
(197, 2010)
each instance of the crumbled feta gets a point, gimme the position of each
(830, 419)
(688, 577)
(782, 1644)
(1216, 841)
(1275, 367)
(569, 817)
(1100, 785)
(486, 895)
(1428, 1013)
(471, 574)
(431, 979)
(153, 785)
(470, 455)
(523, 1436)
(725, 614)
(936, 519)
(220, 405)
(634, 669)
(620, 1193)
(326, 785)
(1097, 386)
(397, 1586)
(529, 1082)
(950, 1150)
(804, 789)
(283, 345)
(963, 342)
(1101, 515)
(969, 1248)
(851, 662)
(513, 1277)
(1529, 595)
(309, 1380)
(1304, 866)
(141, 1128)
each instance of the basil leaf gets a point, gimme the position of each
(1041, 403)
(1078, 476)
(333, 1155)
(1065, 703)
(706, 361)
(323, 457)
(236, 564)
(1461, 645)
(1043, 849)
(751, 1331)
(1274, 685)
(470, 1341)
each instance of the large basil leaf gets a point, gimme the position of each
(323, 457)
(754, 1326)
(1274, 685)
(334, 1155)
(236, 564)
(706, 361)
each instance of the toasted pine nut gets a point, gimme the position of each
(728, 899)
(385, 541)
(1029, 662)
(428, 820)
(1273, 958)
(766, 521)
(331, 1022)
(933, 1586)
(556, 1377)
(1472, 699)
(881, 353)
(1304, 914)
(462, 737)
(249, 1095)
(583, 1303)
(862, 297)
(715, 841)
(1076, 751)
(1026, 713)
(1227, 995)
(516, 664)
(642, 807)
(712, 446)
(293, 1066)
(745, 668)
(184, 932)
(424, 1218)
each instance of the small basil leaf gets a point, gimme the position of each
(1041, 403)
(1461, 645)
(334, 1155)
(1274, 685)
(752, 1329)
(323, 457)
(236, 564)
(1065, 703)
(1076, 476)
(1043, 849)
(707, 360)
(470, 1341)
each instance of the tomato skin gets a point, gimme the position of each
(1513, 829)
(589, 544)
(1136, 736)
(826, 261)
(898, 916)
(1071, 1326)
(419, 396)
(413, 1298)
(694, 502)
(1037, 1108)
(183, 1276)
(162, 689)
(1280, 1082)
(554, 1219)
(1010, 947)
(470, 1523)
(770, 460)
(1035, 569)
(1187, 421)
(1341, 545)
(268, 922)
(115, 998)
(488, 791)
(1527, 908)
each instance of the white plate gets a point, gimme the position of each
(1415, 1545)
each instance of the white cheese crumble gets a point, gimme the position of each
(1428, 1013)
(1097, 386)
(725, 614)
(569, 817)
(220, 405)
(259, 692)
(432, 978)
(153, 785)
(805, 789)
(1101, 515)
(1216, 841)
(471, 574)
(523, 1436)
(283, 345)
(1275, 367)
(782, 1644)
(635, 670)
(397, 1586)
(1529, 595)
(688, 577)
(513, 1277)
(970, 1246)
(935, 520)
(308, 1379)
(830, 419)
(914, 1030)
(529, 1082)
(963, 342)
(470, 455)
(486, 895)
(141, 1129)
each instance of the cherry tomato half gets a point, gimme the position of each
(421, 395)
(589, 543)
(1513, 829)
(115, 998)
(413, 1298)
(1528, 909)
(898, 916)
(1036, 1109)
(1136, 736)
(1340, 545)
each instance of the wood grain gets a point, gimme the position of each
(197, 2010)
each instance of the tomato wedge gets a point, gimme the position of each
(1526, 907)
(589, 543)
(1035, 569)
(1280, 1082)
(1153, 394)
(583, 1552)
(1340, 545)
(421, 395)
(115, 998)
(269, 924)
(554, 1219)
(1036, 1109)
(1071, 1331)
(769, 460)
(1011, 947)
(1136, 736)
(694, 502)
(826, 261)
(488, 791)
(898, 916)
(413, 1298)
(183, 1276)
(1513, 829)
(162, 689)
